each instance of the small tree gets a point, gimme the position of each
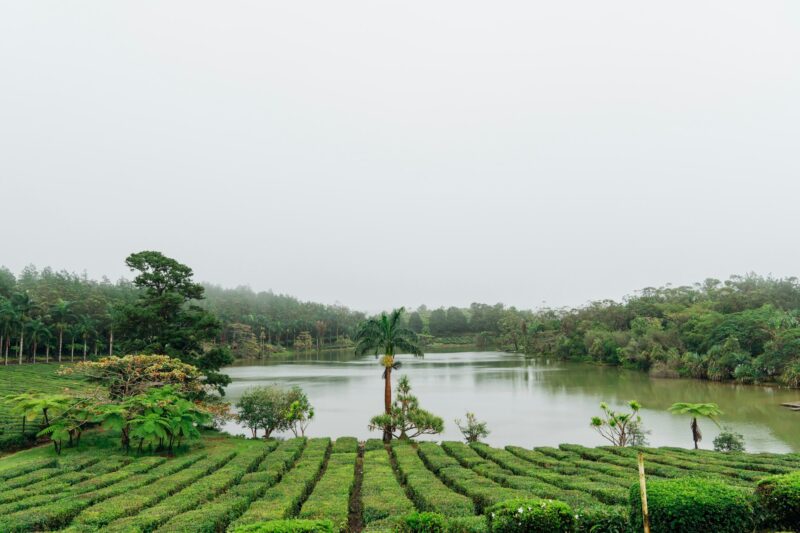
(266, 408)
(304, 341)
(619, 429)
(407, 420)
(729, 441)
(695, 410)
(473, 430)
(301, 412)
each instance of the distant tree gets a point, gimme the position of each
(415, 323)
(456, 320)
(407, 420)
(301, 412)
(304, 341)
(266, 408)
(384, 334)
(164, 319)
(320, 326)
(618, 428)
(473, 430)
(695, 410)
(61, 313)
(437, 322)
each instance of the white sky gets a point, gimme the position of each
(384, 153)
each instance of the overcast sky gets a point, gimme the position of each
(385, 153)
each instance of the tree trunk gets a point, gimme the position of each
(34, 352)
(110, 342)
(387, 400)
(3, 344)
(47, 353)
(60, 342)
(21, 337)
(696, 435)
(72, 351)
(85, 347)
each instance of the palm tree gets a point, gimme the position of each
(387, 335)
(8, 322)
(37, 332)
(708, 410)
(23, 305)
(62, 315)
(86, 328)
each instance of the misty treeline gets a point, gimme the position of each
(746, 328)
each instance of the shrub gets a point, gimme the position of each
(422, 523)
(601, 519)
(373, 444)
(523, 515)
(473, 430)
(691, 505)
(467, 524)
(381, 494)
(778, 501)
(728, 441)
(345, 445)
(287, 526)
(331, 496)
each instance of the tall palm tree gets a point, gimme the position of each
(23, 306)
(62, 316)
(8, 322)
(385, 334)
(695, 410)
(37, 332)
(87, 329)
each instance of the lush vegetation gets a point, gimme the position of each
(222, 483)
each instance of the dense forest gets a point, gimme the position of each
(746, 328)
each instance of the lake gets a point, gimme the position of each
(526, 401)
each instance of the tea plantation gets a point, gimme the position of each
(15, 379)
(233, 484)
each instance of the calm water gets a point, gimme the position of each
(527, 402)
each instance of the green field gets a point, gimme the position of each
(16, 379)
(222, 482)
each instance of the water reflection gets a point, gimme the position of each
(526, 401)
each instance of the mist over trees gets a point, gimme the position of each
(746, 328)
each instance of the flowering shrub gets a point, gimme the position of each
(524, 515)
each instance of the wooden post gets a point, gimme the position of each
(643, 493)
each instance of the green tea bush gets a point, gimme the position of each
(422, 523)
(287, 526)
(373, 444)
(345, 445)
(601, 519)
(778, 501)
(691, 505)
(524, 515)
(331, 497)
(381, 494)
(425, 489)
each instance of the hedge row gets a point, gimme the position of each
(345, 445)
(330, 499)
(483, 491)
(778, 501)
(381, 493)
(288, 526)
(426, 490)
(60, 512)
(199, 492)
(137, 498)
(374, 444)
(215, 516)
(284, 499)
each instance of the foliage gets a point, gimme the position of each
(301, 412)
(331, 496)
(381, 494)
(620, 429)
(387, 335)
(473, 430)
(303, 341)
(273, 408)
(729, 441)
(407, 419)
(523, 515)
(288, 526)
(163, 319)
(695, 410)
(692, 505)
(425, 522)
(133, 374)
(778, 502)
